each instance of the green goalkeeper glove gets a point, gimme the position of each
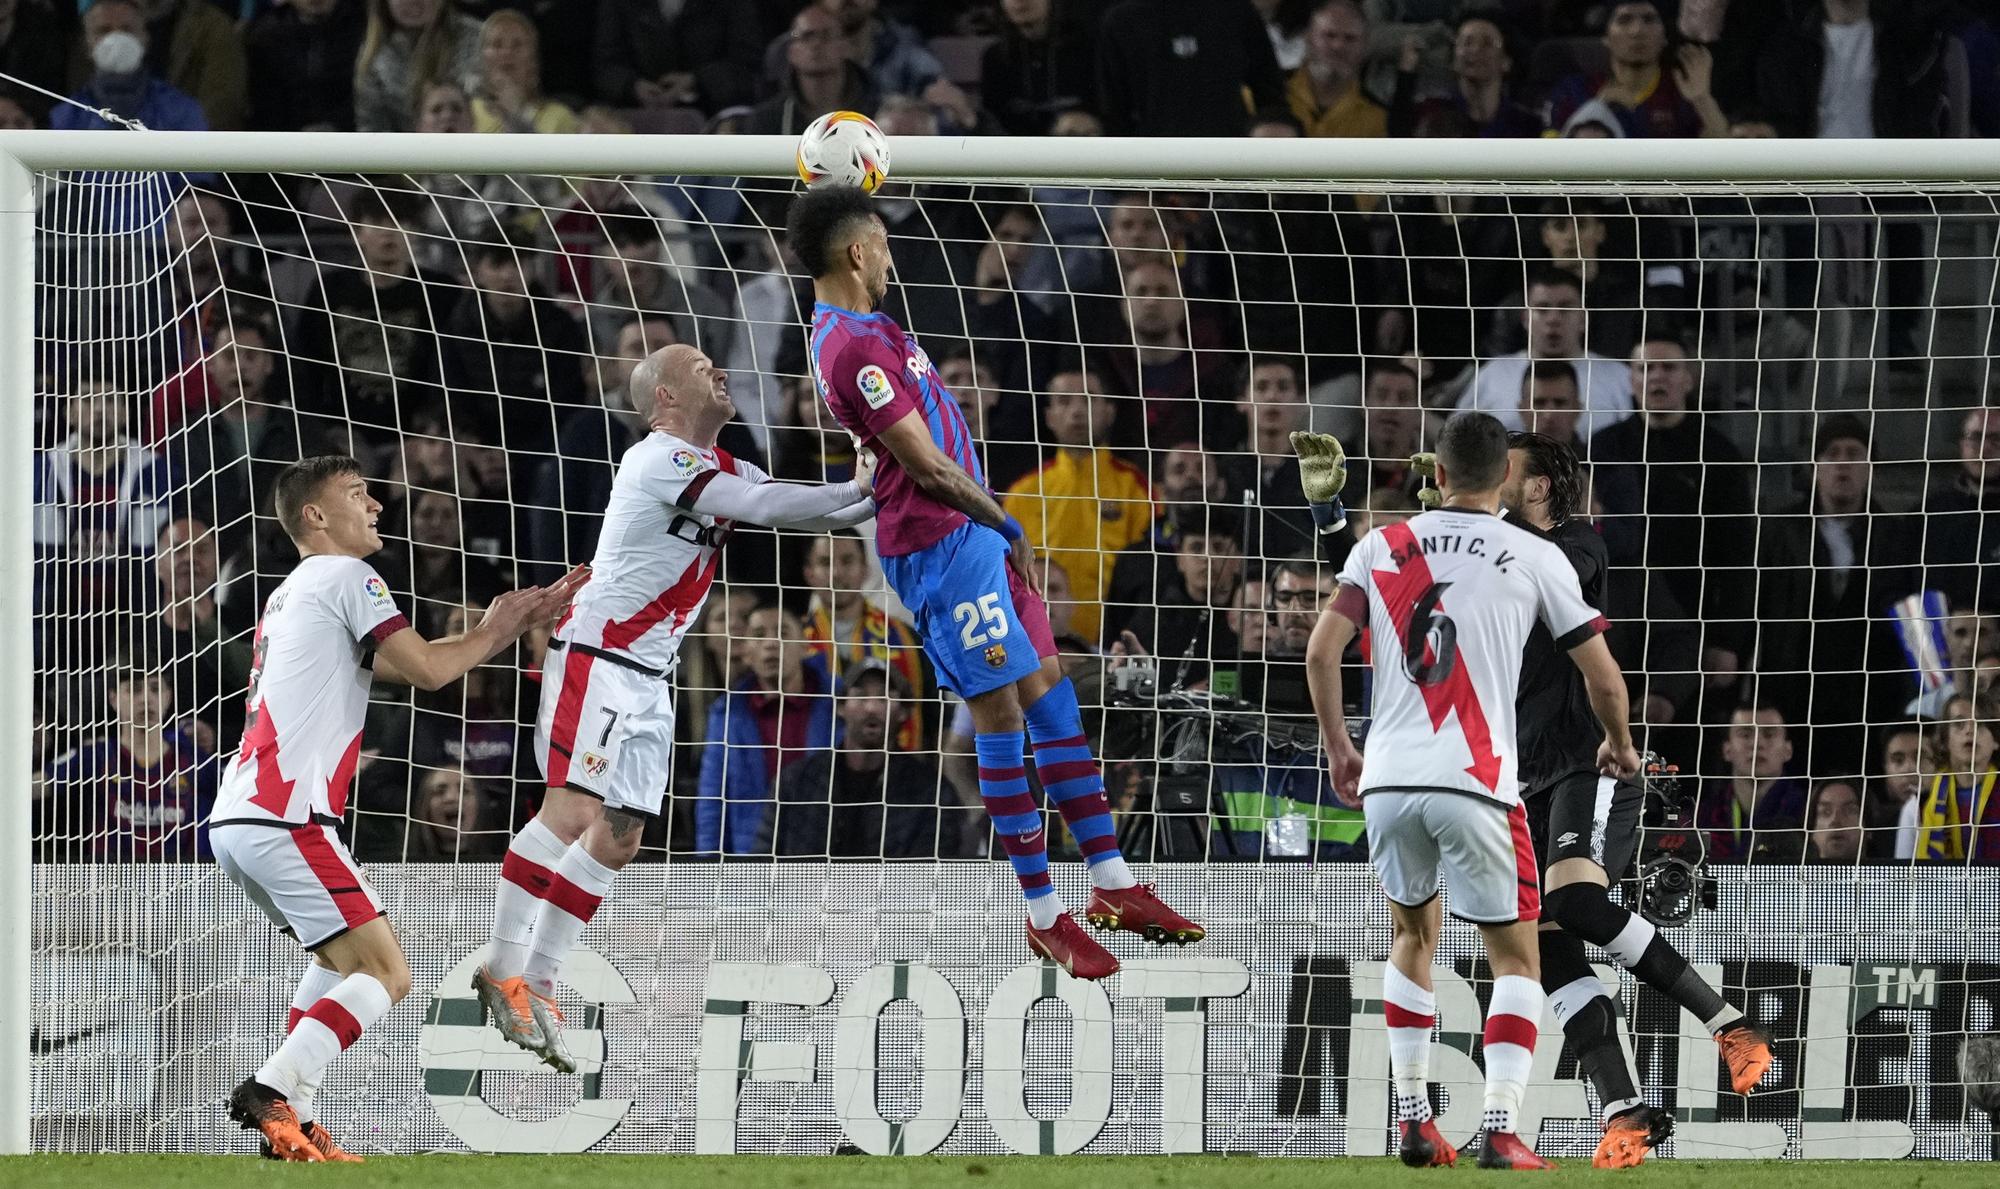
(1427, 465)
(1322, 475)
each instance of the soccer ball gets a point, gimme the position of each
(844, 148)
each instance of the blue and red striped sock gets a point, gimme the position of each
(1071, 779)
(1003, 786)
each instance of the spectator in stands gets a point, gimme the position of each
(139, 793)
(1325, 93)
(1851, 69)
(1250, 616)
(845, 627)
(1961, 532)
(1674, 492)
(819, 78)
(35, 38)
(1833, 823)
(871, 795)
(701, 53)
(1828, 567)
(1959, 818)
(1003, 432)
(1273, 401)
(510, 354)
(1392, 417)
(1043, 64)
(444, 107)
(410, 44)
(1173, 359)
(1086, 503)
(116, 38)
(204, 56)
(206, 663)
(810, 445)
(1555, 321)
(1755, 810)
(450, 821)
(439, 561)
(1646, 97)
(14, 114)
(637, 277)
(99, 495)
(898, 61)
(769, 720)
(245, 432)
(1552, 403)
(370, 363)
(476, 725)
(1189, 626)
(1621, 294)
(1895, 802)
(1143, 574)
(301, 59)
(1182, 68)
(510, 95)
(589, 442)
(1479, 94)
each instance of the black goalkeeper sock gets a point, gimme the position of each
(1586, 910)
(1589, 1022)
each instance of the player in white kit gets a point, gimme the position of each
(1449, 599)
(272, 830)
(605, 732)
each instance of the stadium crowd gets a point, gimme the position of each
(1132, 361)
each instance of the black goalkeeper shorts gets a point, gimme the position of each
(1587, 816)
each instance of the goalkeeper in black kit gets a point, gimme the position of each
(1585, 825)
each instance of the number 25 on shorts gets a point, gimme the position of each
(968, 617)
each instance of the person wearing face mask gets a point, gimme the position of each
(116, 37)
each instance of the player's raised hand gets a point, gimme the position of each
(1617, 759)
(1322, 465)
(1428, 495)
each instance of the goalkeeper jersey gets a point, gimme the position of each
(1451, 597)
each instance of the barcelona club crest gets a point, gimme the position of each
(996, 655)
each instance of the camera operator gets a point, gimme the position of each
(1585, 828)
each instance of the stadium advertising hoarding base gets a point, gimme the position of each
(806, 1008)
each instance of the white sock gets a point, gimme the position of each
(1513, 1017)
(580, 884)
(1112, 874)
(313, 985)
(1044, 911)
(1411, 1011)
(524, 881)
(336, 1021)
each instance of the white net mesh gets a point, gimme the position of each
(1819, 458)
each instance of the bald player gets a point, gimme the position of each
(604, 734)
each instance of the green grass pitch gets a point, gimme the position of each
(928, 1172)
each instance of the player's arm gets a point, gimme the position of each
(932, 470)
(406, 658)
(812, 506)
(1606, 687)
(1336, 629)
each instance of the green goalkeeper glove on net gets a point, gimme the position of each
(1427, 465)
(1322, 475)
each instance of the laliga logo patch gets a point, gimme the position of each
(874, 385)
(595, 765)
(377, 589)
(687, 462)
(996, 655)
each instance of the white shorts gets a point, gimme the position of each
(1481, 844)
(300, 876)
(605, 729)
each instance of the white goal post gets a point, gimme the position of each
(1598, 167)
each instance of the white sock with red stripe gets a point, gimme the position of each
(573, 896)
(1410, 1011)
(1513, 1017)
(313, 986)
(331, 1024)
(525, 875)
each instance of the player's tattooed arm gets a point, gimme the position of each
(932, 470)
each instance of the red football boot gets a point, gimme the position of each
(1137, 910)
(1068, 946)
(1748, 1054)
(1504, 1149)
(1423, 1147)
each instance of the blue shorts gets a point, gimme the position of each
(981, 625)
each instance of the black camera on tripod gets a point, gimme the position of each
(1670, 879)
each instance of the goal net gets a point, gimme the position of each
(1780, 388)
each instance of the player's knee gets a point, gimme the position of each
(568, 814)
(614, 839)
(1585, 909)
